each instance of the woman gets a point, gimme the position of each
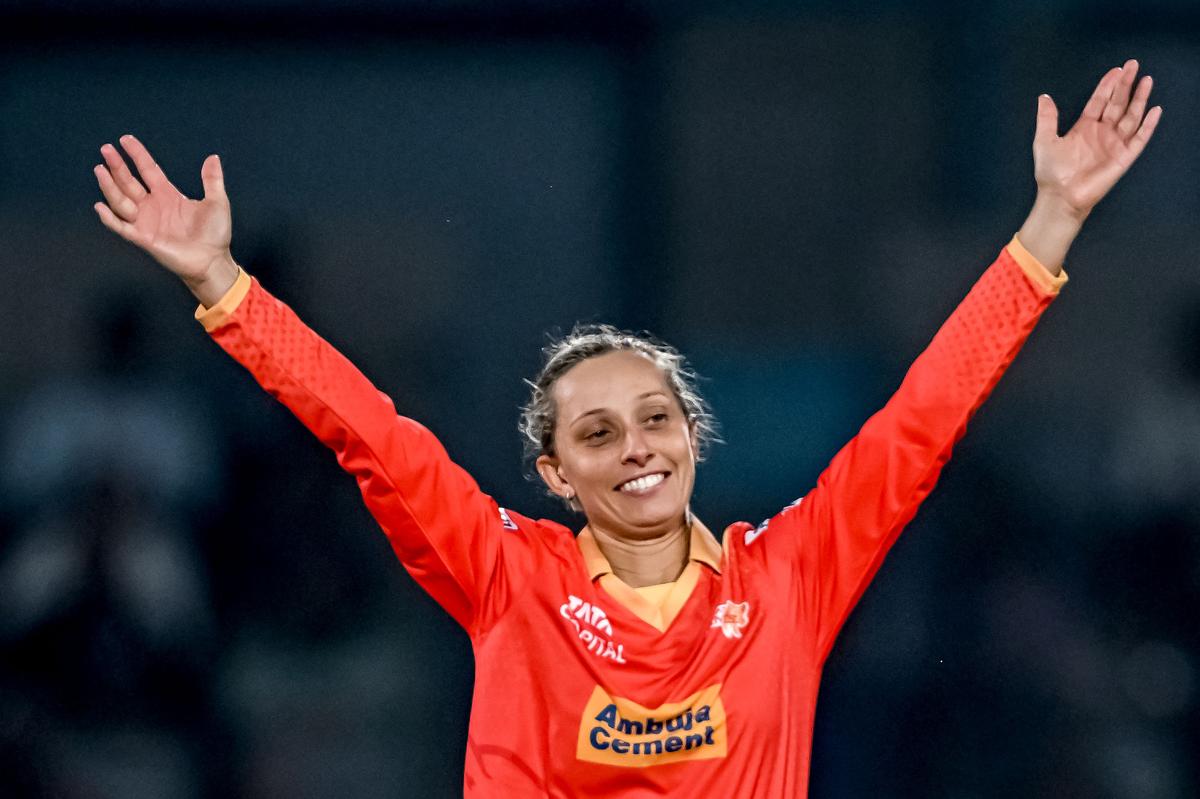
(641, 657)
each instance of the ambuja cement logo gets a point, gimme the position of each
(593, 627)
(617, 731)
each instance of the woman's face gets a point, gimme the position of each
(623, 447)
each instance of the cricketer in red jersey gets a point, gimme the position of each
(585, 686)
(593, 678)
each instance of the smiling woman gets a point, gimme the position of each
(640, 656)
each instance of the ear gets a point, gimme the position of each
(549, 469)
(694, 434)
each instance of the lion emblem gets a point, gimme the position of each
(732, 617)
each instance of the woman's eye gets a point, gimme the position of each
(597, 435)
(658, 418)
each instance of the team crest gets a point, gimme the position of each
(732, 617)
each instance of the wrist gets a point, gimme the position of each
(1053, 208)
(215, 281)
(1050, 229)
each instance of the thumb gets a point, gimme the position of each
(213, 178)
(1047, 120)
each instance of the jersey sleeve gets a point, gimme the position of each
(442, 527)
(837, 536)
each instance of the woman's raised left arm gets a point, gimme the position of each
(832, 542)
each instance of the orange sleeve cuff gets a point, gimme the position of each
(219, 314)
(1038, 274)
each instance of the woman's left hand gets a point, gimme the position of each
(1075, 171)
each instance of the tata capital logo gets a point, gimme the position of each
(589, 622)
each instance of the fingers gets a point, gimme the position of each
(120, 173)
(115, 224)
(1047, 120)
(117, 201)
(213, 178)
(1133, 116)
(1119, 98)
(1099, 99)
(146, 166)
(1142, 137)
(1117, 166)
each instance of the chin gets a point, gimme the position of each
(654, 517)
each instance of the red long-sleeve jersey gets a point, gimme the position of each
(584, 686)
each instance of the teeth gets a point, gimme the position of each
(642, 483)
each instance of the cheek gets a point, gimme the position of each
(583, 466)
(675, 444)
(685, 443)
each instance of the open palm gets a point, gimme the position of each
(184, 235)
(1080, 167)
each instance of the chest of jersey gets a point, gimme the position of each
(621, 703)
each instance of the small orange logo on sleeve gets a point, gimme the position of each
(617, 732)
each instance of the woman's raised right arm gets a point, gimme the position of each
(448, 534)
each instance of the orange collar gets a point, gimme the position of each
(703, 548)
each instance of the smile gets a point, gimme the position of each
(640, 485)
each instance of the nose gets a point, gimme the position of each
(635, 447)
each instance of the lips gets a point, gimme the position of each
(642, 483)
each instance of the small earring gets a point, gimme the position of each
(570, 493)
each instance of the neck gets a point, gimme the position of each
(649, 561)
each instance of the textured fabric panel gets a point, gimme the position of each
(837, 537)
(445, 531)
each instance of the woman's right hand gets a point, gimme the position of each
(189, 237)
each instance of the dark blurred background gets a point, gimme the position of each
(193, 601)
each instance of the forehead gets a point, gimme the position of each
(611, 380)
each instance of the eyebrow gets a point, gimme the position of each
(602, 410)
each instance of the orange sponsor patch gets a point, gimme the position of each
(618, 732)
